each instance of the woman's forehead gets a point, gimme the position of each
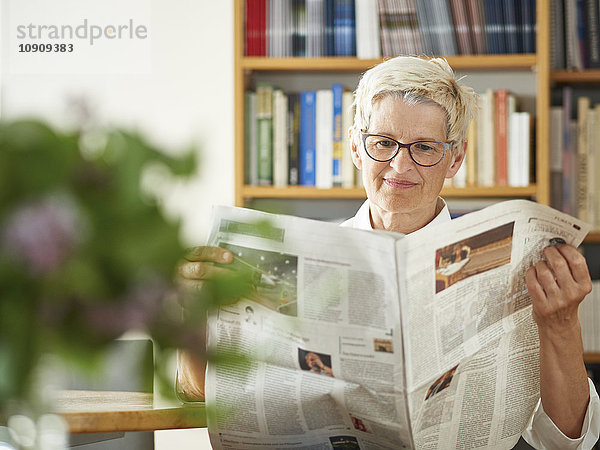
(394, 115)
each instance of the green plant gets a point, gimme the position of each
(85, 253)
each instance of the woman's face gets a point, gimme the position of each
(401, 185)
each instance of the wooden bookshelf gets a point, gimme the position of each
(576, 76)
(593, 237)
(592, 358)
(351, 64)
(358, 192)
(245, 67)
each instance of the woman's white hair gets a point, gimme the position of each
(416, 80)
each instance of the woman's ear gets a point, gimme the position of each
(457, 159)
(355, 151)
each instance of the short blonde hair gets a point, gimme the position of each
(416, 80)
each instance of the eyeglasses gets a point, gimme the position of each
(424, 153)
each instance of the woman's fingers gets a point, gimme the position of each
(209, 254)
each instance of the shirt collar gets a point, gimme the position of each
(362, 219)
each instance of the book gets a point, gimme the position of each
(280, 139)
(556, 156)
(557, 36)
(315, 23)
(486, 150)
(307, 148)
(582, 204)
(592, 34)
(443, 28)
(329, 30)
(477, 26)
(338, 149)
(250, 135)
(299, 27)
(529, 25)
(264, 116)
(573, 55)
(471, 153)
(525, 128)
(461, 26)
(592, 195)
(339, 319)
(293, 139)
(324, 138)
(596, 169)
(344, 28)
(348, 169)
(501, 127)
(510, 26)
(568, 203)
(368, 43)
(424, 17)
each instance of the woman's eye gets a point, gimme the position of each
(423, 147)
(386, 144)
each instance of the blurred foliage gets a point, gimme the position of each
(85, 253)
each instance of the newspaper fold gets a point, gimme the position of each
(375, 340)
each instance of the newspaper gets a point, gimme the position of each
(376, 340)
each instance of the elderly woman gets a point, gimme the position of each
(409, 134)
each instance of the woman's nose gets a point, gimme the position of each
(402, 160)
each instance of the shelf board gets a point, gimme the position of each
(591, 358)
(301, 192)
(311, 192)
(593, 237)
(492, 191)
(352, 64)
(575, 76)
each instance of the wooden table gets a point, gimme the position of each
(112, 411)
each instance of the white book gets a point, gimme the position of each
(514, 149)
(486, 152)
(368, 44)
(347, 120)
(280, 147)
(324, 139)
(525, 133)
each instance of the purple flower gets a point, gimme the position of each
(42, 234)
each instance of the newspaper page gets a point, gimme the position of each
(322, 339)
(366, 340)
(469, 336)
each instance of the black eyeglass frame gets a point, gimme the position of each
(364, 136)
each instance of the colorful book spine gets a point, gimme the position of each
(293, 138)
(251, 151)
(280, 140)
(338, 92)
(329, 40)
(348, 168)
(264, 115)
(583, 107)
(501, 137)
(307, 148)
(324, 139)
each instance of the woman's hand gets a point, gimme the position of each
(200, 264)
(557, 286)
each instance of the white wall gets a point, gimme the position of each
(187, 98)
